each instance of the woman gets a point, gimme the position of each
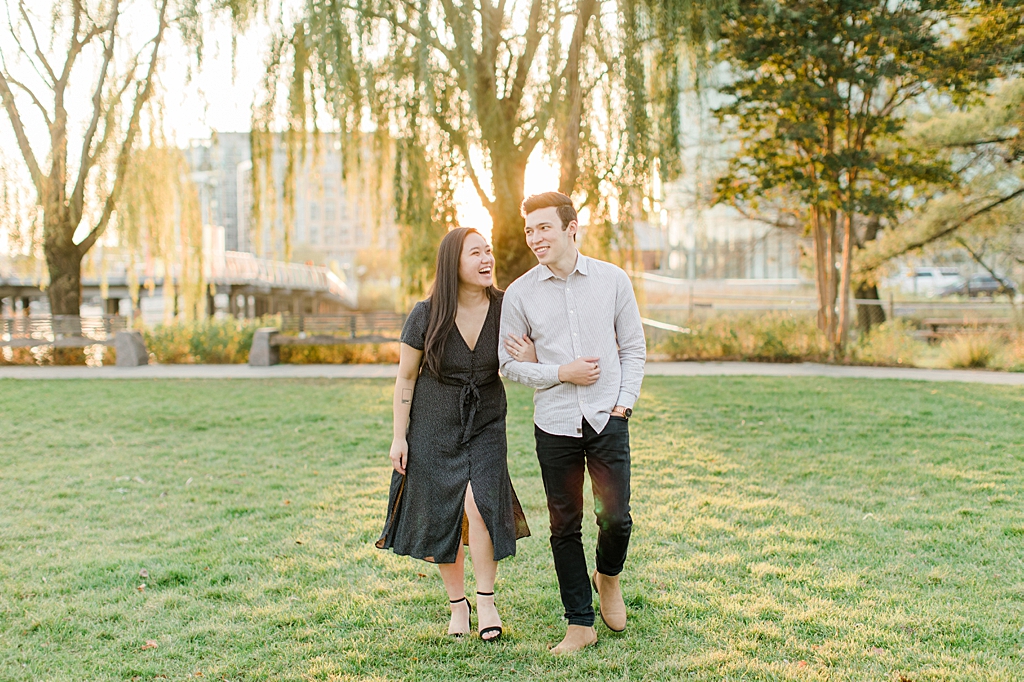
(451, 485)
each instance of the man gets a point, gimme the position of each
(583, 319)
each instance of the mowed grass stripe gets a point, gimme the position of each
(784, 529)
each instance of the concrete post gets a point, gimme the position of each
(262, 354)
(131, 349)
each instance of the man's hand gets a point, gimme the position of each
(581, 371)
(399, 455)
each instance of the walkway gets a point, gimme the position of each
(675, 369)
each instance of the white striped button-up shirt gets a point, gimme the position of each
(592, 313)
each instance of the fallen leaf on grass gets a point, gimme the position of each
(141, 588)
(801, 664)
(198, 673)
(422, 575)
(298, 542)
(287, 502)
(150, 644)
(877, 650)
(143, 573)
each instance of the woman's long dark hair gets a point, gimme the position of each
(444, 298)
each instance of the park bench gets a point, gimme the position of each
(72, 331)
(938, 328)
(323, 330)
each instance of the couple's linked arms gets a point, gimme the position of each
(584, 371)
(517, 356)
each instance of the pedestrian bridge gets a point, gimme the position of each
(240, 284)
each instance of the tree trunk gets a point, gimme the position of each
(823, 228)
(844, 290)
(511, 254)
(64, 263)
(868, 315)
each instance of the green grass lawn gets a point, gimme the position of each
(785, 529)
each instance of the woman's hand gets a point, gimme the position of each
(521, 348)
(399, 455)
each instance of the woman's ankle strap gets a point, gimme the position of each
(456, 601)
(485, 594)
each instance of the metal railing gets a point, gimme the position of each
(59, 330)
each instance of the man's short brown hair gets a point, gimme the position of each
(559, 201)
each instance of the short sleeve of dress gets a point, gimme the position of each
(414, 332)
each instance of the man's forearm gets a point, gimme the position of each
(532, 374)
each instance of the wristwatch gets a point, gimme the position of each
(627, 412)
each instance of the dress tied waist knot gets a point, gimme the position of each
(469, 401)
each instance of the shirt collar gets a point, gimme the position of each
(544, 272)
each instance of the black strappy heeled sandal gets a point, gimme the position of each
(493, 628)
(469, 625)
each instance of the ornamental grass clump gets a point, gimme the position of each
(1015, 353)
(890, 343)
(772, 337)
(973, 350)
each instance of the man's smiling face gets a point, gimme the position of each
(546, 237)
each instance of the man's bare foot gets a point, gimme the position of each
(459, 623)
(613, 608)
(576, 637)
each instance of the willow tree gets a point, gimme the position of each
(74, 72)
(454, 89)
(821, 96)
(159, 221)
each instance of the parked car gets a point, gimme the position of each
(981, 285)
(927, 280)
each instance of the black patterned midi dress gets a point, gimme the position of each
(456, 435)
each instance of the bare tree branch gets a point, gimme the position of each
(87, 159)
(525, 61)
(38, 179)
(144, 93)
(459, 140)
(569, 158)
(917, 243)
(35, 41)
(35, 100)
(978, 258)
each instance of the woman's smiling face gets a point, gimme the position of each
(476, 265)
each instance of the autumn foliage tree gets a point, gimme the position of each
(820, 95)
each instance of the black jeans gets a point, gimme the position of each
(562, 462)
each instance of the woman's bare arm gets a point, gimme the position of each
(408, 369)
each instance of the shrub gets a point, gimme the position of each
(354, 353)
(890, 343)
(973, 350)
(773, 337)
(1015, 353)
(205, 341)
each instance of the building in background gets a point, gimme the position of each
(333, 221)
(706, 241)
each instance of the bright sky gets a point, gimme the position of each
(219, 97)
